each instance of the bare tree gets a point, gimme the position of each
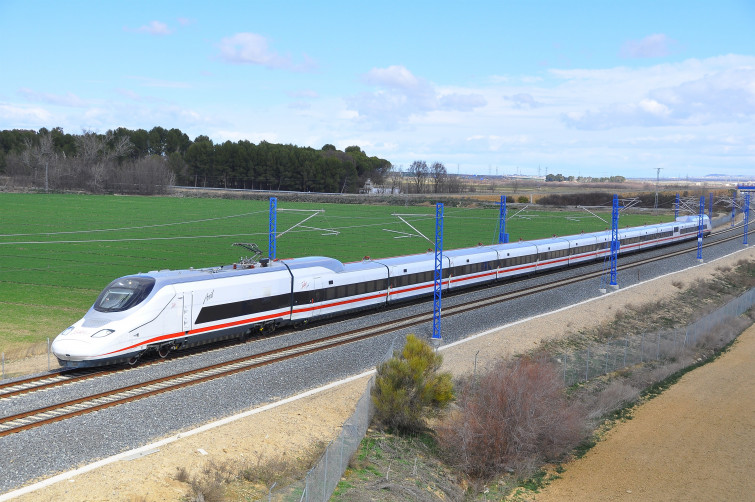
(40, 156)
(397, 177)
(419, 171)
(440, 176)
(97, 151)
(454, 184)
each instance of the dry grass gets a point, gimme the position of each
(246, 479)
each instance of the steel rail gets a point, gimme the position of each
(87, 404)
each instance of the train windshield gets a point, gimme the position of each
(123, 294)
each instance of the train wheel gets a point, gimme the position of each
(134, 360)
(164, 350)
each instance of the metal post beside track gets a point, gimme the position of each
(438, 271)
(273, 227)
(503, 237)
(614, 240)
(747, 217)
(700, 230)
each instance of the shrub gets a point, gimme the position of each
(510, 419)
(408, 388)
(523, 199)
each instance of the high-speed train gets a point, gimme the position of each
(173, 309)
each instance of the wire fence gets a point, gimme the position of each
(322, 479)
(595, 361)
(602, 358)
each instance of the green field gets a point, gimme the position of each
(57, 252)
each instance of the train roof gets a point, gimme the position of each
(315, 261)
(412, 258)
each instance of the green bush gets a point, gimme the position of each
(408, 388)
(523, 199)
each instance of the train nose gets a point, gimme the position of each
(72, 349)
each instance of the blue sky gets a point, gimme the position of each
(580, 88)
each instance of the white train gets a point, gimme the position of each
(173, 309)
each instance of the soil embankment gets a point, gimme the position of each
(693, 442)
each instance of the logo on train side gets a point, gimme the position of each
(304, 284)
(208, 296)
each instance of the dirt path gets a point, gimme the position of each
(696, 441)
(295, 427)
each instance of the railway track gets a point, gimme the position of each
(87, 404)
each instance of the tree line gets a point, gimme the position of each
(140, 161)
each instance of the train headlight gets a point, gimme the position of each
(66, 331)
(103, 332)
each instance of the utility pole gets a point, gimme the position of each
(657, 182)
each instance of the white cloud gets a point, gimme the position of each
(300, 105)
(397, 77)
(523, 100)
(461, 102)
(14, 116)
(154, 82)
(68, 99)
(401, 95)
(494, 143)
(252, 48)
(693, 92)
(155, 28)
(304, 94)
(252, 136)
(652, 46)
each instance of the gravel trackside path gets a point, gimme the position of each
(696, 441)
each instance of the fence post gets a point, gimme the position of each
(325, 475)
(658, 348)
(587, 366)
(626, 346)
(642, 349)
(565, 363)
(608, 349)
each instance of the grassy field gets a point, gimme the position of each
(57, 252)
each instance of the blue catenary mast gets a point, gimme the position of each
(438, 270)
(700, 229)
(503, 237)
(614, 240)
(747, 216)
(273, 227)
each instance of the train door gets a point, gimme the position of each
(307, 298)
(187, 302)
(317, 296)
